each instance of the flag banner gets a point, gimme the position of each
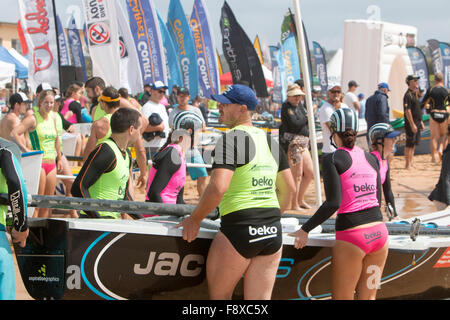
(174, 77)
(219, 63)
(445, 54)
(291, 61)
(103, 39)
(76, 46)
(180, 32)
(39, 24)
(130, 70)
(64, 55)
(275, 55)
(436, 58)
(86, 43)
(23, 41)
(257, 46)
(419, 65)
(321, 66)
(147, 39)
(205, 46)
(240, 53)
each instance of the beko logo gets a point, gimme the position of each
(168, 264)
(363, 188)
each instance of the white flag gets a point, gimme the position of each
(103, 39)
(38, 22)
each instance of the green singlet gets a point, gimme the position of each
(253, 184)
(44, 136)
(112, 185)
(106, 137)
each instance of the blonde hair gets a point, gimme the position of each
(42, 96)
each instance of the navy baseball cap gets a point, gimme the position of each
(383, 85)
(239, 94)
(392, 134)
(158, 85)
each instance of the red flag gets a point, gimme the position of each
(23, 42)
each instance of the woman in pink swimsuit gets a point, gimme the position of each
(353, 189)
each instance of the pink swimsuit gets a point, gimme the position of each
(65, 109)
(359, 192)
(384, 166)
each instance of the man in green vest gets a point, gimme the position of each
(107, 172)
(251, 182)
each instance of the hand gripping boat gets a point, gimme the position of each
(148, 259)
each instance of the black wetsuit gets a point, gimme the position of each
(438, 98)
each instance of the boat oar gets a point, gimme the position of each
(129, 207)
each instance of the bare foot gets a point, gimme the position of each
(304, 205)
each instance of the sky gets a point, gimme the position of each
(323, 19)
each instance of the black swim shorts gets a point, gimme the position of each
(252, 236)
(412, 139)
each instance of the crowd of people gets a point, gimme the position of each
(254, 179)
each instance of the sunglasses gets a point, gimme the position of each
(335, 91)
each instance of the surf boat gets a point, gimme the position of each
(148, 259)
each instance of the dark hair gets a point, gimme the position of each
(123, 93)
(112, 93)
(95, 82)
(74, 87)
(348, 138)
(124, 118)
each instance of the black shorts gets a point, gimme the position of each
(439, 116)
(251, 235)
(412, 139)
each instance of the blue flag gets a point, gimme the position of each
(204, 44)
(445, 54)
(275, 56)
(76, 47)
(321, 66)
(290, 57)
(181, 35)
(419, 65)
(173, 68)
(64, 56)
(147, 39)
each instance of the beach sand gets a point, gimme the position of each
(411, 189)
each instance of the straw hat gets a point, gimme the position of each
(294, 90)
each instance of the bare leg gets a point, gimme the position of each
(308, 176)
(434, 135)
(50, 184)
(373, 265)
(346, 266)
(41, 190)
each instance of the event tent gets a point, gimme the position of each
(7, 71)
(20, 68)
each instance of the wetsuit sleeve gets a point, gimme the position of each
(166, 168)
(180, 199)
(332, 186)
(17, 190)
(66, 124)
(128, 196)
(75, 107)
(387, 191)
(100, 161)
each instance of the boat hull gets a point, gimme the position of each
(68, 259)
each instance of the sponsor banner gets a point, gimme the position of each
(445, 54)
(39, 24)
(23, 41)
(277, 65)
(205, 49)
(76, 46)
(64, 56)
(129, 61)
(147, 40)
(291, 61)
(102, 34)
(436, 58)
(321, 66)
(420, 68)
(240, 53)
(180, 32)
(174, 77)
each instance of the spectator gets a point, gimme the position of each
(332, 104)
(362, 104)
(413, 119)
(158, 129)
(350, 98)
(377, 107)
(145, 96)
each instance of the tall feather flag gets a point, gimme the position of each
(147, 40)
(321, 66)
(240, 53)
(130, 71)
(76, 46)
(64, 54)
(205, 46)
(23, 41)
(445, 53)
(103, 39)
(420, 67)
(38, 19)
(257, 46)
(172, 66)
(180, 32)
